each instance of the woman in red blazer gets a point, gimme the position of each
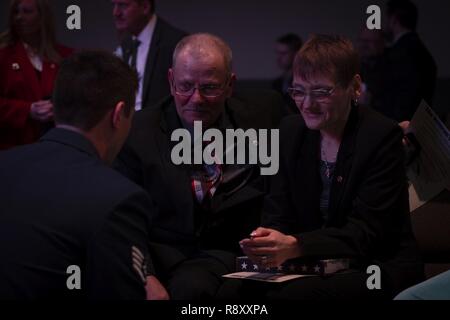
(29, 62)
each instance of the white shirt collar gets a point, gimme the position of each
(145, 38)
(146, 34)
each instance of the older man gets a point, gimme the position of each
(204, 210)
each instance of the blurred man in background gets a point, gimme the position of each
(147, 46)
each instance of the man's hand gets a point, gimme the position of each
(155, 290)
(270, 248)
(42, 111)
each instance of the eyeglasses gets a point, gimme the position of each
(319, 95)
(207, 90)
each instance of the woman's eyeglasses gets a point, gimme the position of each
(319, 95)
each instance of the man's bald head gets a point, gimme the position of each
(201, 46)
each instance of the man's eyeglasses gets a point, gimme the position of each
(207, 90)
(319, 95)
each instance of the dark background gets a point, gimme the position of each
(251, 27)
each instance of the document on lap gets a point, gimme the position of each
(292, 269)
(429, 172)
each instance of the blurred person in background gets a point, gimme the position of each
(29, 61)
(147, 45)
(410, 69)
(286, 48)
(371, 48)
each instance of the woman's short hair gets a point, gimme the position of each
(328, 56)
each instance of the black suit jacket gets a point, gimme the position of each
(410, 76)
(159, 60)
(368, 217)
(146, 159)
(61, 206)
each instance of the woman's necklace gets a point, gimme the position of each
(328, 164)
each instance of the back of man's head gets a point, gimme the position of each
(405, 11)
(89, 85)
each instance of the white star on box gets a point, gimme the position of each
(244, 266)
(316, 269)
(255, 267)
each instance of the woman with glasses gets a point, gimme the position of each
(341, 192)
(29, 61)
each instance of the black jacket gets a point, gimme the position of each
(409, 76)
(159, 60)
(368, 216)
(146, 159)
(61, 206)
